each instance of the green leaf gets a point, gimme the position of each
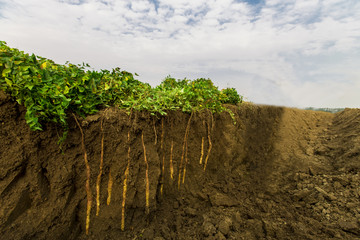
(8, 82)
(5, 72)
(24, 68)
(66, 90)
(29, 86)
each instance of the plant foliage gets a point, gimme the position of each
(49, 91)
(231, 96)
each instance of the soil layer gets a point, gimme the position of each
(278, 173)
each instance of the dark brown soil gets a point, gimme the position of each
(279, 173)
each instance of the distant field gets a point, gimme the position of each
(331, 110)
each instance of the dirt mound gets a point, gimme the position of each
(278, 173)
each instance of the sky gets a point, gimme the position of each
(295, 53)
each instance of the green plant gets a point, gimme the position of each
(231, 96)
(50, 91)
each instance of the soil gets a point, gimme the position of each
(278, 173)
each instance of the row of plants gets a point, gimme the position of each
(49, 91)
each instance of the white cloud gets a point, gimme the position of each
(262, 50)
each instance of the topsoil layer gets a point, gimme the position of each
(278, 173)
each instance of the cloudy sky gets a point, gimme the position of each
(297, 53)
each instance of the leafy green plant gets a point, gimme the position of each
(231, 96)
(49, 91)
(188, 95)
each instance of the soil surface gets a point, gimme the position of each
(278, 173)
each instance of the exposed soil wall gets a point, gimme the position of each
(279, 173)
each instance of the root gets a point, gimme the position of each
(110, 183)
(98, 180)
(87, 185)
(163, 157)
(210, 129)
(202, 150)
(171, 160)
(155, 133)
(125, 186)
(146, 175)
(124, 200)
(183, 151)
(162, 176)
(162, 134)
(202, 146)
(186, 162)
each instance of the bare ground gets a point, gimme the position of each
(278, 173)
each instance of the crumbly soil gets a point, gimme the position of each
(278, 173)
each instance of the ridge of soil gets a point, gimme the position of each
(278, 173)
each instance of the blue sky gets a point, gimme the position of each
(296, 53)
